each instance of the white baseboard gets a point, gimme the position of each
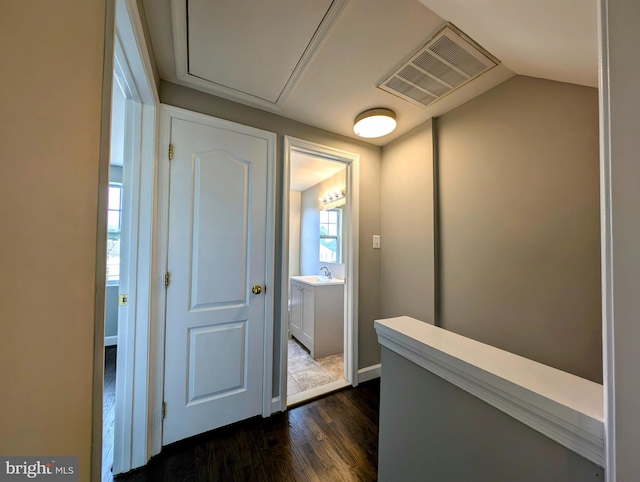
(110, 340)
(369, 373)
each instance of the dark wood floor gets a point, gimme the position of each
(108, 411)
(334, 438)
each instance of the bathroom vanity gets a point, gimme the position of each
(317, 314)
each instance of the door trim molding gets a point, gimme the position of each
(167, 113)
(126, 49)
(352, 162)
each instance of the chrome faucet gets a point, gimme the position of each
(326, 272)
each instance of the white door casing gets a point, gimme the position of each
(350, 233)
(134, 433)
(218, 332)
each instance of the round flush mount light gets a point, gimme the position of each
(375, 123)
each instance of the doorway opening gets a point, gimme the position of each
(319, 306)
(121, 439)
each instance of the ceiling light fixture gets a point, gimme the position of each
(375, 123)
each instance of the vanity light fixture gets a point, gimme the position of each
(333, 196)
(375, 123)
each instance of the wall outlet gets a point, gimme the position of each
(376, 241)
(123, 300)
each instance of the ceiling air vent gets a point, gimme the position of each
(448, 61)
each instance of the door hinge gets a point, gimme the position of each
(164, 410)
(166, 279)
(170, 152)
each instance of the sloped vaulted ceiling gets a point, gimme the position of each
(320, 62)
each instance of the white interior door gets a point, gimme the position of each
(217, 243)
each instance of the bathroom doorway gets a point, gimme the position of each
(319, 271)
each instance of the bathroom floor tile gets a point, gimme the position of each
(335, 370)
(314, 377)
(296, 350)
(300, 363)
(305, 373)
(292, 386)
(333, 365)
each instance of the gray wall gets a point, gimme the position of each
(407, 249)
(111, 310)
(623, 331)
(442, 434)
(295, 199)
(369, 262)
(519, 220)
(310, 226)
(115, 174)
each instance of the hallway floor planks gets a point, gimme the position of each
(108, 411)
(333, 438)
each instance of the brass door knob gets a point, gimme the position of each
(256, 290)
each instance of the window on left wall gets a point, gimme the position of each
(114, 229)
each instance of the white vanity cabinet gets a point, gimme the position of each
(317, 316)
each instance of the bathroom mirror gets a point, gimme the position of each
(331, 235)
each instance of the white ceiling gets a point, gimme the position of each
(262, 59)
(270, 55)
(307, 171)
(549, 39)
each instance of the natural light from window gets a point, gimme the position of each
(114, 229)
(330, 233)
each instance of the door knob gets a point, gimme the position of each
(256, 290)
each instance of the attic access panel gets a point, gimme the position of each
(250, 47)
(445, 63)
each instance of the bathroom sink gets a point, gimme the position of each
(318, 280)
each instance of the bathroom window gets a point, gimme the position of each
(114, 228)
(330, 236)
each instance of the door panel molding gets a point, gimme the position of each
(232, 337)
(167, 115)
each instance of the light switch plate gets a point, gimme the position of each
(376, 241)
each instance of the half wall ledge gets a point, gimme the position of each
(564, 407)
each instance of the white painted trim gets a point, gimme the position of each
(181, 54)
(275, 404)
(606, 216)
(270, 277)
(167, 113)
(125, 402)
(159, 293)
(145, 306)
(319, 37)
(101, 245)
(111, 340)
(317, 392)
(564, 407)
(284, 265)
(353, 272)
(134, 374)
(369, 373)
(352, 162)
